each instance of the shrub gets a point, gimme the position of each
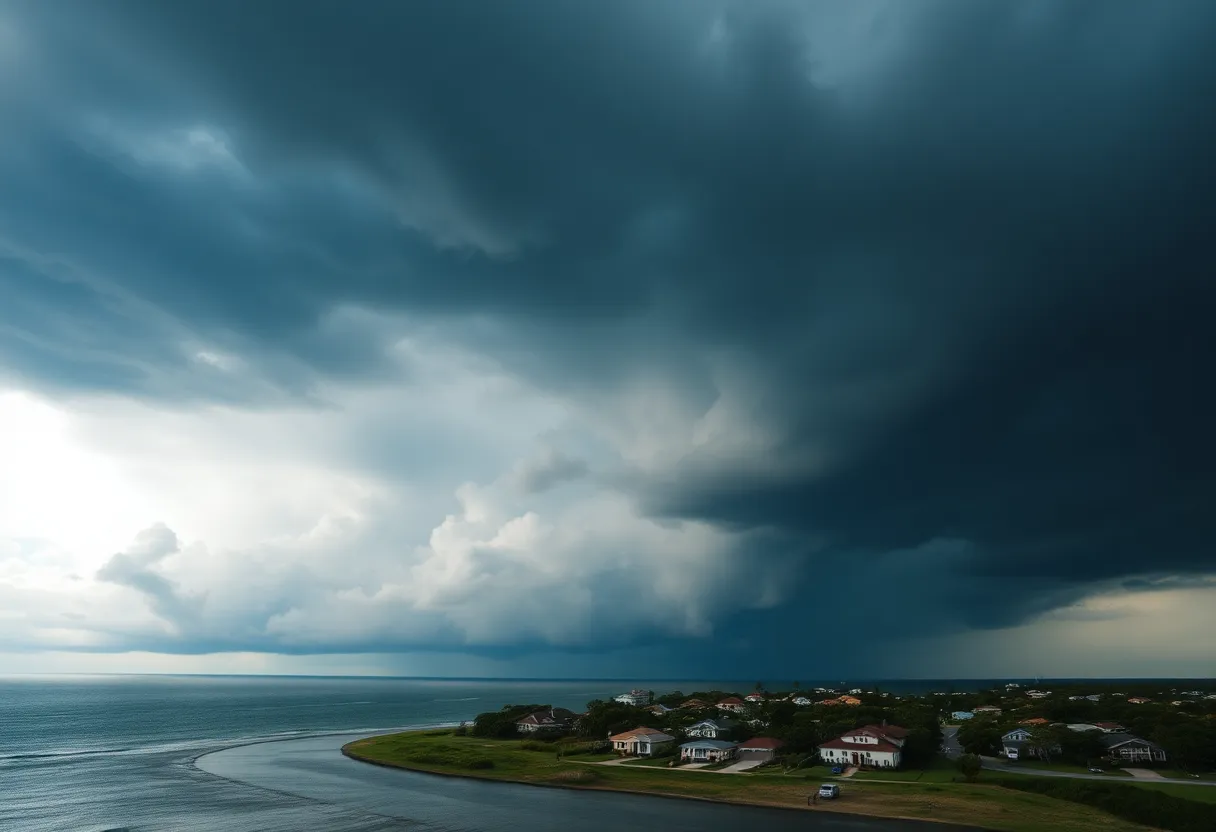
(535, 745)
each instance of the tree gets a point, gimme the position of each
(970, 765)
(980, 736)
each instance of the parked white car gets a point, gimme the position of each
(829, 791)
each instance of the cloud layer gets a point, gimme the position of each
(686, 321)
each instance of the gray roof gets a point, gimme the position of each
(720, 724)
(719, 745)
(1014, 743)
(1112, 740)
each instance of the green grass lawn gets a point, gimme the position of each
(942, 770)
(1204, 794)
(649, 762)
(982, 805)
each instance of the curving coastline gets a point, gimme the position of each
(894, 806)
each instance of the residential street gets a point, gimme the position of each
(953, 750)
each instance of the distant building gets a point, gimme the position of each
(634, 697)
(801, 701)
(959, 716)
(733, 704)
(554, 720)
(712, 729)
(986, 709)
(755, 698)
(1139, 700)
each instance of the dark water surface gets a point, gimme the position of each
(88, 754)
(315, 768)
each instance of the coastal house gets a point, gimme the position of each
(1132, 749)
(1139, 700)
(1109, 727)
(1019, 744)
(1034, 720)
(760, 748)
(1082, 727)
(710, 729)
(959, 716)
(552, 721)
(986, 709)
(801, 701)
(694, 704)
(660, 710)
(641, 742)
(707, 751)
(851, 701)
(1094, 697)
(1038, 694)
(755, 698)
(732, 704)
(879, 746)
(635, 697)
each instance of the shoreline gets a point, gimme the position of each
(347, 752)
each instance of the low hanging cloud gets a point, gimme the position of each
(714, 303)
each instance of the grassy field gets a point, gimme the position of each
(1204, 794)
(942, 771)
(977, 805)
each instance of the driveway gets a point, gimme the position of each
(1143, 774)
(742, 765)
(950, 746)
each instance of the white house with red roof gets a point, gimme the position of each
(879, 746)
(755, 698)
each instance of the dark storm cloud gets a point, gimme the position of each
(976, 272)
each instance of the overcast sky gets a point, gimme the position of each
(651, 338)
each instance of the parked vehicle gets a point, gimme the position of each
(837, 769)
(829, 791)
(1096, 770)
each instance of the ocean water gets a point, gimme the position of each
(104, 754)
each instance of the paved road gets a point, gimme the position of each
(950, 746)
(997, 764)
(314, 771)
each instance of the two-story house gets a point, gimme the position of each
(879, 746)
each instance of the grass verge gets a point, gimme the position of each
(983, 805)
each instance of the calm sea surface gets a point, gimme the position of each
(119, 753)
